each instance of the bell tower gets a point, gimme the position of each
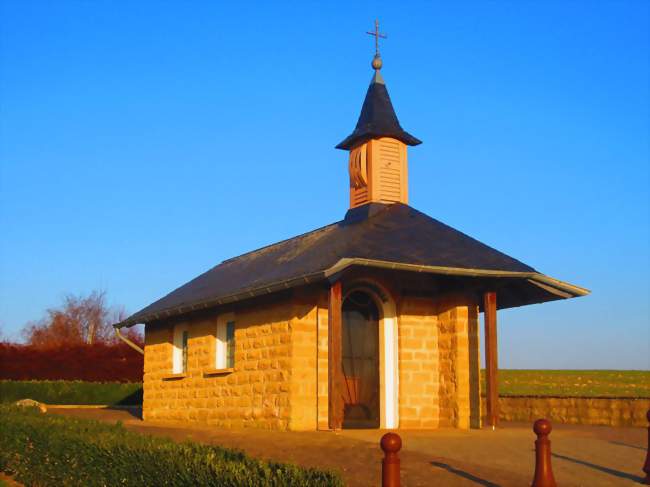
(378, 153)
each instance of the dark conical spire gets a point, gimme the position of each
(377, 117)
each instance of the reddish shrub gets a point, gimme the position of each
(94, 363)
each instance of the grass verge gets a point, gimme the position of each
(72, 392)
(42, 449)
(573, 383)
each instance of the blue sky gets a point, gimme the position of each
(141, 143)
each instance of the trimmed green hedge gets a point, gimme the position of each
(71, 392)
(43, 449)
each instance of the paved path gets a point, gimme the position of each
(582, 455)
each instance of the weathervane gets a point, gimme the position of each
(376, 62)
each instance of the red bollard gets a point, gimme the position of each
(543, 470)
(646, 465)
(391, 443)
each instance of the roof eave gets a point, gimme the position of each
(355, 139)
(561, 289)
(538, 278)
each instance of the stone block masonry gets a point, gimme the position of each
(438, 363)
(459, 363)
(576, 410)
(273, 371)
(419, 369)
(280, 377)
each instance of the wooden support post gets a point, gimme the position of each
(491, 361)
(335, 357)
(543, 476)
(390, 443)
(646, 465)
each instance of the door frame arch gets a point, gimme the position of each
(388, 348)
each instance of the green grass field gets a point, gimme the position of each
(71, 392)
(580, 383)
(48, 450)
(559, 383)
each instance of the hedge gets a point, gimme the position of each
(97, 363)
(72, 392)
(42, 449)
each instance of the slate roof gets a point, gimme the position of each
(392, 236)
(377, 118)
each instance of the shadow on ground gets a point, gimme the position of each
(135, 411)
(600, 468)
(619, 443)
(465, 475)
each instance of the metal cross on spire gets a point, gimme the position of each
(377, 35)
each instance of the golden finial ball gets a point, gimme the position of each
(376, 62)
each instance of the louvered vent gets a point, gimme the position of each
(378, 172)
(390, 170)
(359, 196)
(358, 176)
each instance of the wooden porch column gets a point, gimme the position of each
(335, 352)
(491, 361)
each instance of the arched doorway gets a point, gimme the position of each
(360, 340)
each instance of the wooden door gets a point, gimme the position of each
(360, 360)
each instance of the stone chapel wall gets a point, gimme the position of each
(417, 331)
(458, 345)
(280, 378)
(274, 382)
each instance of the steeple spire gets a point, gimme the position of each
(377, 118)
(376, 61)
(377, 37)
(378, 160)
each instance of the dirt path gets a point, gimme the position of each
(583, 455)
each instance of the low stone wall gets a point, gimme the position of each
(574, 410)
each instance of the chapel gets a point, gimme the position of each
(370, 322)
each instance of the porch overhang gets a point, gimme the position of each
(515, 288)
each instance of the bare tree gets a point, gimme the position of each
(80, 319)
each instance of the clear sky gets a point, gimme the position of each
(143, 142)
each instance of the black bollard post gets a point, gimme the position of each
(646, 465)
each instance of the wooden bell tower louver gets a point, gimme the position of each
(378, 154)
(378, 172)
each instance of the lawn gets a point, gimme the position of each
(45, 449)
(512, 382)
(71, 392)
(565, 383)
